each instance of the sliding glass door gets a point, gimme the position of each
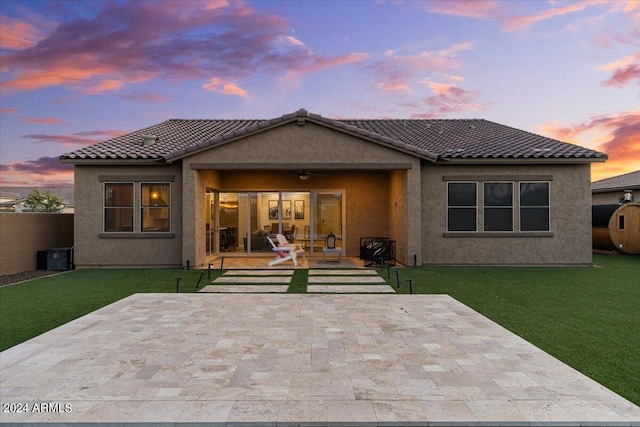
(246, 219)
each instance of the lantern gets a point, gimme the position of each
(331, 240)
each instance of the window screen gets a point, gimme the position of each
(462, 206)
(534, 206)
(118, 207)
(156, 205)
(498, 206)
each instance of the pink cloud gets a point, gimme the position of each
(224, 87)
(399, 73)
(448, 98)
(7, 110)
(517, 23)
(501, 12)
(618, 135)
(132, 42)
(623, 71)
(42, 120)
(17, 34)
(80, 138)
(145, 97)
(44, 169)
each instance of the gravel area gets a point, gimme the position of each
(25, 275)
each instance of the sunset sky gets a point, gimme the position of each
(74, 73)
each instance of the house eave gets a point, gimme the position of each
(532, 161)
(113, 162)
(302, 166)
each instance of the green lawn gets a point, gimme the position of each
(28, 309)
(587, 317)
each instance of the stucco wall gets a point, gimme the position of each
(94, 248)
(570, 217)
(367, 192)
(22, 235)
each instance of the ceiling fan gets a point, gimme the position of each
(305, 174)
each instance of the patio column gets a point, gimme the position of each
(193, 236)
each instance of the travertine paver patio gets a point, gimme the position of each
(285, 359)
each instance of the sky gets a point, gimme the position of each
(74, 73)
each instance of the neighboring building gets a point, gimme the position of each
(446, 191)
(12, 198)
(611, 190)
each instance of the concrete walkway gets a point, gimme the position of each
(291, 359)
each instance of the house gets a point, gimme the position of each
(467, 192)
(12, 198)
(612, 190)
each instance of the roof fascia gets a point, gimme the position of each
(112, 162)
(302, 166)
(534, 161)
(615, 189)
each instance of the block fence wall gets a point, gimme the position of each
(22, 235)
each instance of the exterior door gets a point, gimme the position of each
(329, 215)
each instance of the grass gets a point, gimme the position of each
(31, 308)
(586, 317)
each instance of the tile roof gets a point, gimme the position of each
(628, 181)
(434, 139)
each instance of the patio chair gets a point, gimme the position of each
(284, 254)
(283, 242)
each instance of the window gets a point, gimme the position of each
(155, 203)
(118, 207)
(498, 206)
(462, 206)
(621, 222)
(534, 206)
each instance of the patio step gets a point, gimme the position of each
(338, 281)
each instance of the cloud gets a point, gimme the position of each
(618, 135)
(42, 120)
(80, 138)
(448, 98)
(7, 110)
(226, 88)
(17, 34)
(44, 169)
(401, 73)
(145, 97)
(132, 42)
(501, 12)
(523, 22)
(623, 71)
(43, 166)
